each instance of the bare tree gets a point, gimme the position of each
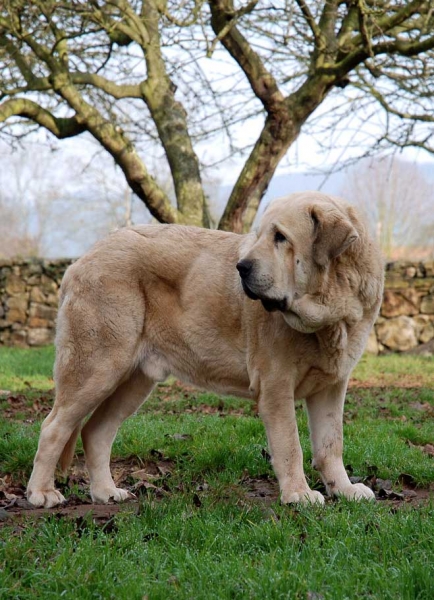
(49, 204)
(15, 237)
(25, 196)
(398, 201)
(133, 74)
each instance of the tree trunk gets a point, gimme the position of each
(281, 129)
(276, 137)
(171, 121)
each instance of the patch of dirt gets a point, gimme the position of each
(98, 512)
(388, 380)
(265, 489)
(32, 407)
(261, 488)
(133, 474)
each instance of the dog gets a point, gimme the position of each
(278, 314)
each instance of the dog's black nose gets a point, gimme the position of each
(244, 268)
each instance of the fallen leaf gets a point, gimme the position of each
(390, 494)
(143, 475)
(429, 449)
(409, 494)
(422, 406)
(385, 484)
(164, 469)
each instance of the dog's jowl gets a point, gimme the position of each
(278, 314)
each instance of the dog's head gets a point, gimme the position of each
(297, 239)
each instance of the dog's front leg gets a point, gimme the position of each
(278, 414)
(325, 411)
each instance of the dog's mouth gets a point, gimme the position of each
(248, 291)
(270, 304)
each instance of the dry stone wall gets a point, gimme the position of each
(28, 300)
(29, 295)
(406, 318)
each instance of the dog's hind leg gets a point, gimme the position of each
(55, 432)
(71, 406)
(100, 431)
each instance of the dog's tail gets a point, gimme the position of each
(67, 455)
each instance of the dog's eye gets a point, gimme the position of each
(279, 237)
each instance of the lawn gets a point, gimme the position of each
(207, 522)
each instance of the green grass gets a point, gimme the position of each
(202, 536)
(226, 550)
(24, 369)
(393, 369)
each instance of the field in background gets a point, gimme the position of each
(207, 522)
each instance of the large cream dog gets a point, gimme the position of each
(159, 299)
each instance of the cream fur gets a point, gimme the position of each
(149, 301)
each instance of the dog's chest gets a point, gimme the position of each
(314, 381)
(329, 365)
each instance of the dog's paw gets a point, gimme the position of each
(44, 498)
(104, 495)
(357, 491)
(303, 497)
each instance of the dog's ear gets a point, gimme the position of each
(333, 234)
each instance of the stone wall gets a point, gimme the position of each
(28, 300)
(29, 291)
(406, 317)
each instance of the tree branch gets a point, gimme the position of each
(34, 83)
(367, 43)
(183, 22)
(170, 119)
(260, 79)
(317, 33)
(397, 47)
(107, 86)
(385, 24)
(59, 126)
(421, 117)
(327, 22)
(144, 30)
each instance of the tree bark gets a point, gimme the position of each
(171, 121)
(279, 132)
(277, 135)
